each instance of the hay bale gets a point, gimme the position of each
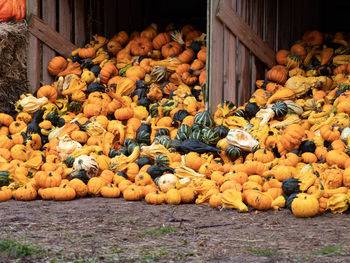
(13, 77)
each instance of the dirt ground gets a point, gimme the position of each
(114, 230)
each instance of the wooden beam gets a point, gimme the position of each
(246, 35)
(215, 63)
(243, 58)
(49, 16)
(65, 19)
(79, 23)
(50, 37)
(230, 85)
(33, 55)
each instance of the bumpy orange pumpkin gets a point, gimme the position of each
(57, 65)
(140, 46)
(47, 91)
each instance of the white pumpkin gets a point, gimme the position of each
(87, 163)
(66, 146)
(345, 134)
(241, 139)
(167, 182)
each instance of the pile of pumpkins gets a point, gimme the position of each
(126, 117)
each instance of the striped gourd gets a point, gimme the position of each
(163, 140)
(222, 131)
(233, 152)
(280, 109)
(293, 108)
(204, 118)
(162, 160)
(162, 131)
(210, 136)
(184, 128)
(181, 136)
(197, 134)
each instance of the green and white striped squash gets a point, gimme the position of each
(162, 160)
(184, 128)
(204, 118)
(209, 136)
(280, 109)
(293, 108)
(233, 152)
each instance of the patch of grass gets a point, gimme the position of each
(329, 251)
(326, 251)
(16, 249)
(158, 232)
(152, 255)
(181, 255)
(87, 235)
(262, 252)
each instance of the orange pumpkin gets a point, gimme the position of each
(277, 74)
(47, 91)
(88, 52)
(171, 49)
(135, 73)
(313, 38)
(160, 40)
(281, 56)
(187, 56)
(108, 71)
(202, 54)
(140, 46)
(114, 47)
(57, 65)
(122, 37)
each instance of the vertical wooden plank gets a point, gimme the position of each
(216, 56)
(243, 59)
(270, 26)
(254, 10)
(230, 88)
(65, 19)
(49, 16)
(277, 25)
(34, 54)
(80, 24)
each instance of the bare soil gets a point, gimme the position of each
(114, 230)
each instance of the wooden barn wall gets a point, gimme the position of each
(65, 16)
(232, 68)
